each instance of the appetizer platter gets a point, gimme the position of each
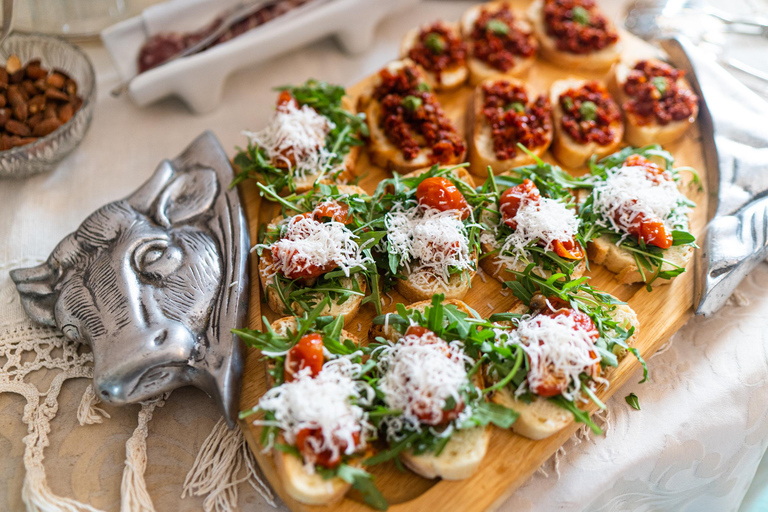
(460, 259)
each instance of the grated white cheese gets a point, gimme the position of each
(419, 373)
(627, 192)
(555, 345)
(295, 138)
(306, 241)
(327, 402)
(429, 241)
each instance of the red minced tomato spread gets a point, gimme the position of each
(655, 94)
(588, 113)
(578, 26)
(498, 41)
(437, 49)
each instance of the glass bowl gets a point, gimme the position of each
(46, 152)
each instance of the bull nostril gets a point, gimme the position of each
(105, 394)
(160, 338)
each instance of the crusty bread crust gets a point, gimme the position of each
(481, 153)
(653, 133)
(567, 151)
(383, 152)
(595, 61)
(479, 70)
(461, 457)
(449, 78)
(541, 418)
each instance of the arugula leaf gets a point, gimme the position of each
(363, 482)
(633, 401)
(487, 412)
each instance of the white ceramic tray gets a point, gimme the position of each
(199, 79)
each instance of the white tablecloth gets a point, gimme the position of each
(694, 446)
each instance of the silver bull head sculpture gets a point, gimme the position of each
(154, 283)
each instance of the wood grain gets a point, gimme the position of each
(511, 458)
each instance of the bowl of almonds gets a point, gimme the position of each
(47, 96)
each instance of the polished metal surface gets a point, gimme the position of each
(154, 283)
(735, 142)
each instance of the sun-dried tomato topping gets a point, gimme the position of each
(308, 438)
(497, 40)
(441, 194)
(412, 118)
(513, 119)
(333, 210)
(437, 48)
(588, 113)
(653, 171)
(307, 353)
(656, 95)
(578, 26)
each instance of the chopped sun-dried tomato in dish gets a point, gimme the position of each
(497, 39)
(578, 26)
(437, 49)
(589, 114)
(413, 119)
(514, 118)
(655, 94)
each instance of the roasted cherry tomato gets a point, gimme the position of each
(285, 98)
(307, 353)
(423, 413)
(333, 210)
(570, 249)
(416, 330)
(289, 258)
(512, 198)
(654, 172)
(439, 193)
(651, 231)
(324, 458)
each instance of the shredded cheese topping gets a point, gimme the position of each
(327, 402)
(419, 373)
(546, 220)
(555, 345)
(309, 242)
(295, 139)
(429, 241)
(627, 192)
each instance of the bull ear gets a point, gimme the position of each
(35, 286)
(189, 195)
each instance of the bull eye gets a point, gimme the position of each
(71, 332)
(157, 259)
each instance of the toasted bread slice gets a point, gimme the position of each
(637, 134)
(542, 418)
(569, 152)
(499, 269)
(595, 61)
(481, 153)
(450, 78)
(480, 70)
(383, 152)
(461, 457)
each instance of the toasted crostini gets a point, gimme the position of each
(575, 34)
(504, 113)
(500, 41)
(586, 119)
(408, 128)
(441, 52)
(659, 104)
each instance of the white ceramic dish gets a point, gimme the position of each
(199, 79)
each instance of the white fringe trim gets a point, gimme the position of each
(87, 412)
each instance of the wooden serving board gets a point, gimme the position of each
(511, 459)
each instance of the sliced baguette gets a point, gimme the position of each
(481, 153)
(542, 418)
(383, 152)
(567, 151)
(478, 69)
(300, 484)
(595, 61)
(449, 78)
(653, 133)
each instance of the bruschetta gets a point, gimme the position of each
(408, 128)
(318, 447)
(431, 240)
(318, 250)
(554, 362)
(659, 104)
(503, 114)
(501, 41)
(530, 219)
(314, 134)
(440, 51)
(575, 34)
(637, 217)
(586, 119)
(424, 375)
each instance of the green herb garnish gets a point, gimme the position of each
(633, 401)
(660, 83)
(435, 42)
(516, 106)
(412, 103)
(498, 27)
(581, 15)
(588, 111)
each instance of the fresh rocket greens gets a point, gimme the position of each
(347, 131)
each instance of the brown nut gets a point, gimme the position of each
(22, 141)
(56, 95)
(18, 128)
(35, 72)
(13, 64)
(5, 115)
(14, 95)
(66, 112)
(71, 87)
(56, 80)
(47, 126)
(5, 142)
(16, 77)
(21, 112)
(36, 104)
(3, 78)
(34, 120)
(3, 101)
(28, 87)
(50, 111)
